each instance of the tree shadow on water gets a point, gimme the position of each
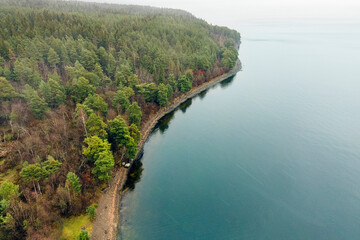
(203, 94)
(185, 105)
(164, 122)
(134, 175)
(226, 83)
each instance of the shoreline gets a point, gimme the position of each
(107, 219)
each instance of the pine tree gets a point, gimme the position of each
(32, 173)
(134, 132)
(81, 89)
(103, 165)
(7, 91)
(39, 171)
(131, 148)
(64, 57)
(97, 103)
(51, 165)
(53, 57)
(118, 131)
(162, 97)
(121, 101)
(170, 91)
(38, 105)
(90, 211)
(73, 181)
(135, 114)
(53, 92)
(95, 126)
(88, 59)
(184, 84)
(95, 146)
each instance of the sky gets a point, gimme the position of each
(224, 12)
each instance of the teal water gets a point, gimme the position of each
(273, 153)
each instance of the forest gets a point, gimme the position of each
(77, 83)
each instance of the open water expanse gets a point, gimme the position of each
(273, 153)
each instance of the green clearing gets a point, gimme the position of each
(72, 226)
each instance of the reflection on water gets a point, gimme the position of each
(134, 175)
(164, 122)
(185, 105)
(162, 125)
(203, 94)
(227, 83)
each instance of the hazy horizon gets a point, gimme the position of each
(227, 11)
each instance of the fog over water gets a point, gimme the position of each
(231, 12)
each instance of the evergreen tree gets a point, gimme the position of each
(169, 92)
(119, 78)
(129, 92)
(184, 84)
(103, 165)
(135, 133)
(99, 72)
(131, 148)
(121, 101)
(95, 126)
(98, 151)
(81, 89)
(95, 146)
(88, 59)
(149, 91)
(111, 66)
(38, 105)
(97, 103)
(28, 92)
(7, 92)
(22, 71)
(135, 114)
(53, 92)
(53, 57)
(73, 181)
(118, 131)
(162, 97)
(64, 57)
(51, 166)
(91, 212)
(103, 57)
(171, 80)
(39, 171)
(133, 80)
(33, 173)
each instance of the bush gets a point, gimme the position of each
(91, 212)
(83, 235)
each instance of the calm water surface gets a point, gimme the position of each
(273, 153)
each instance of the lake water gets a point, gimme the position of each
(273, 153)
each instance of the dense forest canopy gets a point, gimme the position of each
(77, 83)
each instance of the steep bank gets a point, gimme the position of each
(107, 220)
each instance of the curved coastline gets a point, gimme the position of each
(106, 223)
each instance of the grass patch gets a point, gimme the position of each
(72, 226)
